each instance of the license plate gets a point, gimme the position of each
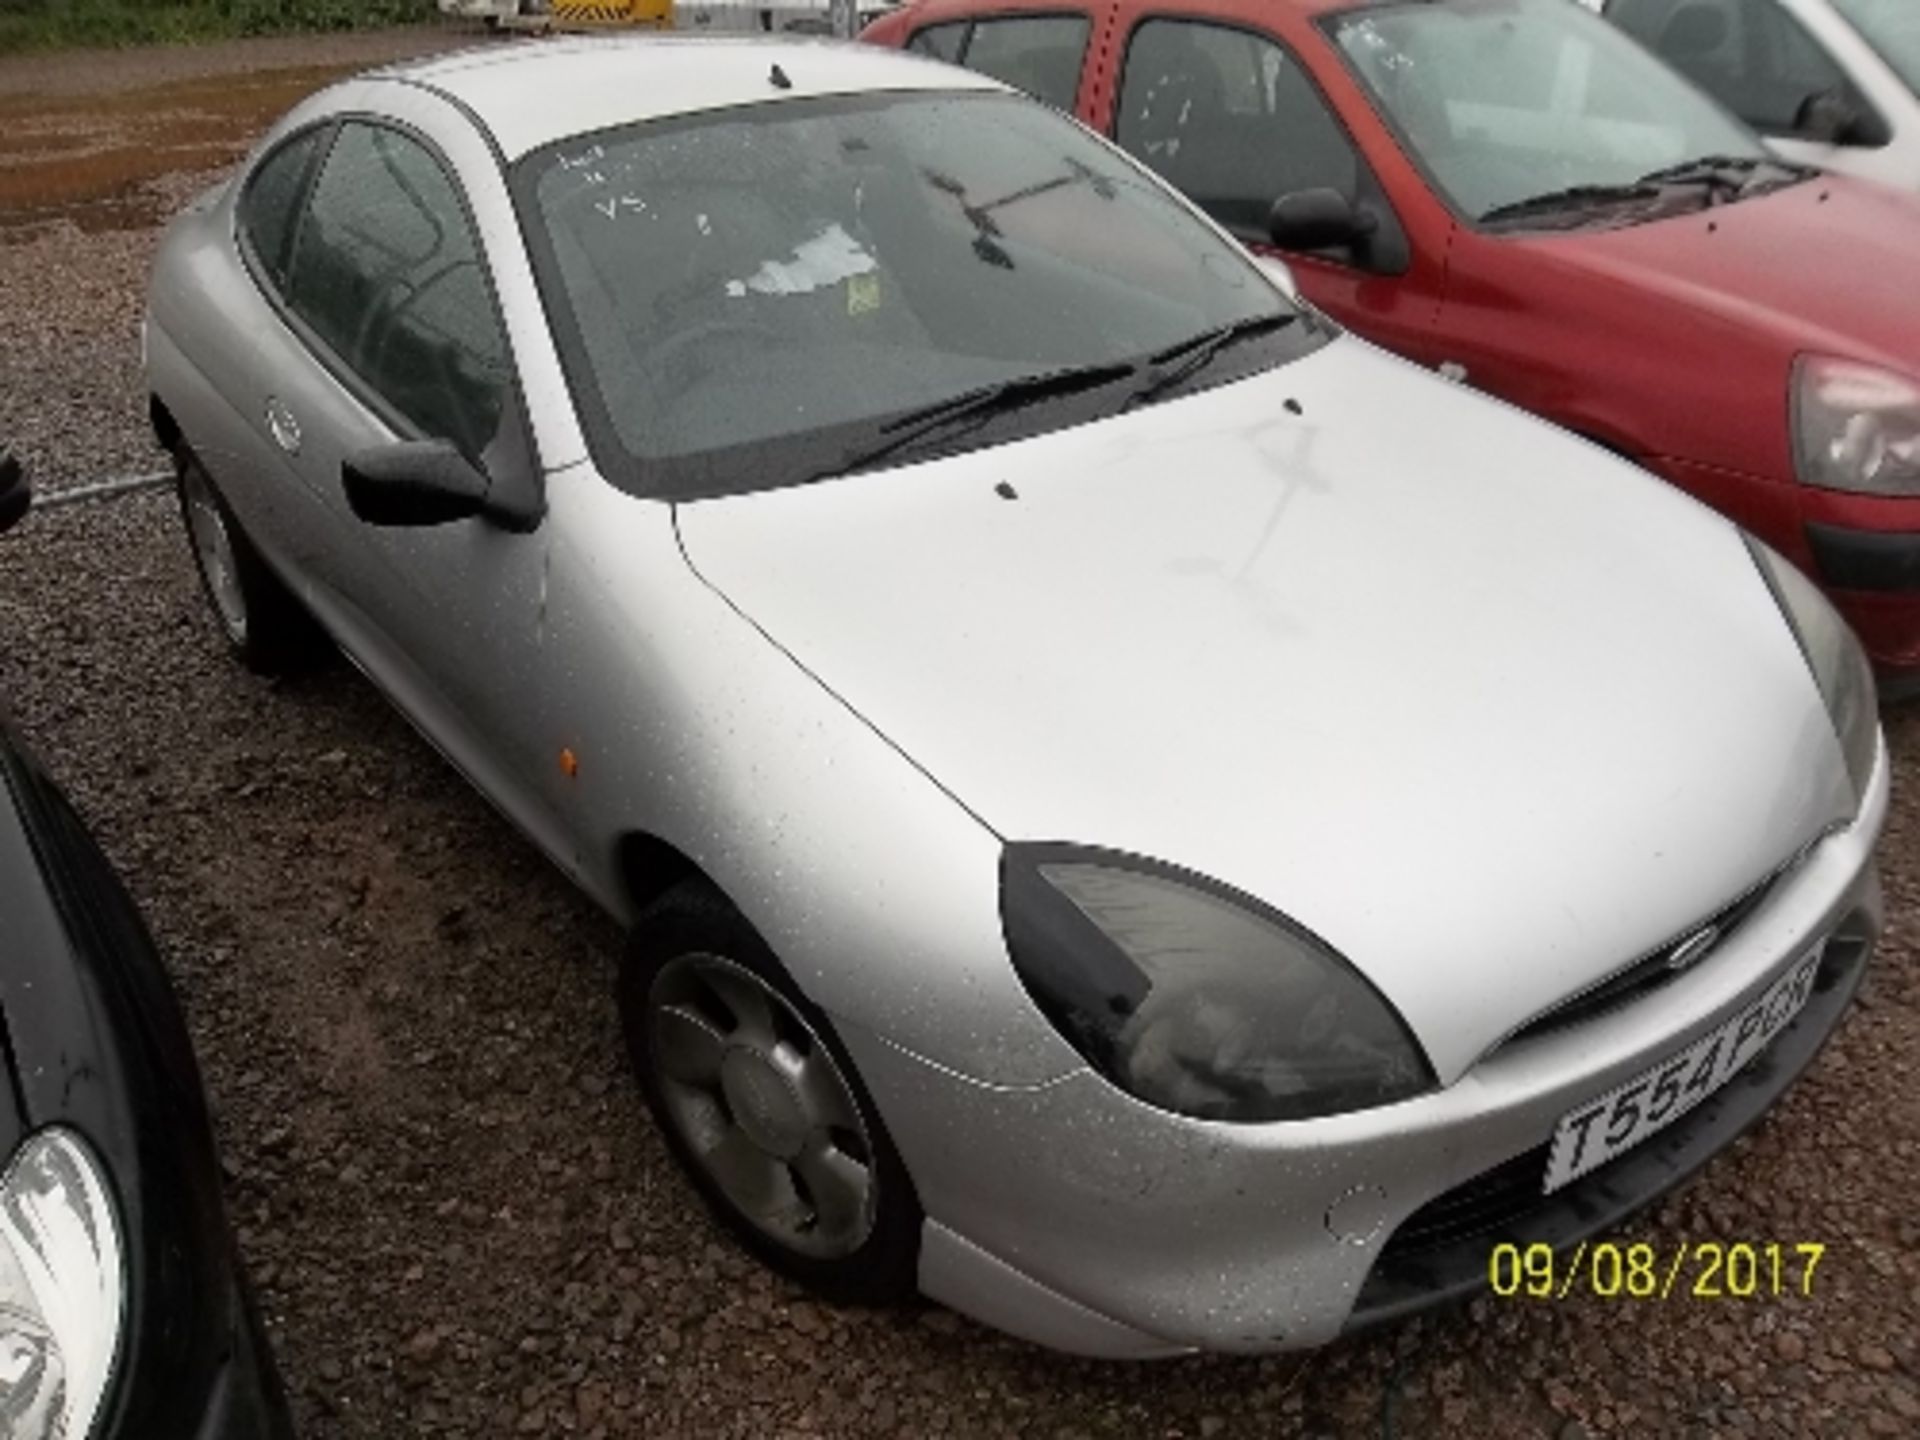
(1614, 1123)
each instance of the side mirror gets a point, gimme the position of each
(16, 495)
(1319, 220)
(1829, 118)
(413, 483)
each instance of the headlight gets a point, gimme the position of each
(1840, 667)
(61, 1290)
(1856, 427)
(1195, 999)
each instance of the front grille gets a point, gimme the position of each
(1506, 1201)
(1650, 972)
(1490, 1202)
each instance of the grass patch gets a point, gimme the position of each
(58, 24)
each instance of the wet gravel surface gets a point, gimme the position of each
(460, 1220)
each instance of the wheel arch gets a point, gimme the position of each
(647, 867)
(1606, 440)
(166, 429)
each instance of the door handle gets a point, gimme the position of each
(282, 426)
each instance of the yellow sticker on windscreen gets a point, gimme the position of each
(863, 293)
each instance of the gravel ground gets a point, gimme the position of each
(459, 1218)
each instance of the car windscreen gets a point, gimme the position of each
(1893, 28)
(759, 296)
(1506, 102)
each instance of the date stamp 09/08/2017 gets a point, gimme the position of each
(1693, 1270)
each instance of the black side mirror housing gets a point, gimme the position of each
(1321, 219)
(1831, 118)
(16, 495)
(412, 483)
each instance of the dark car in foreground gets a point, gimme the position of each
(123, 1312)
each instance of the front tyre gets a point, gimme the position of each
(264, 625)
(760, 1105)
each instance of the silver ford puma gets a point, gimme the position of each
(1140, 815)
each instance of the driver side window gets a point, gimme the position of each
(1750, 55)
(1230, 118)
(387, 273)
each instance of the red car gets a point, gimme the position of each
(1516, 193)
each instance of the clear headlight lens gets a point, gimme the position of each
(1195, 1000)
(1856, 427)
(61, 1290)
(1839, 664)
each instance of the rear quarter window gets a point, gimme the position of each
(269, 206)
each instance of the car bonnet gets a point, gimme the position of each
(1825, 265)
(1489, 710)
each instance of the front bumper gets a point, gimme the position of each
(1077, 1217)
(1441, 1252)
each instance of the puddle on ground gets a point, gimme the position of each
(94, 160)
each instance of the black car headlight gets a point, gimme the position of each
(62, 1290)
(1840, 666)
(1195, 999)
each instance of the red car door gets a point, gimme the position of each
(1238, 103)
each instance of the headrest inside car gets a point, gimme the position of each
(1693, 32)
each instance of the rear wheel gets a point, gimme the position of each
(761, 1106)
(264, 625)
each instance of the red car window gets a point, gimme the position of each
(1041, 54)
(1229, 117)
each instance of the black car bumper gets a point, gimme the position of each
(247, 1401)
(1870, 560)
(1874, 576)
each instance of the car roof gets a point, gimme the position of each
(538, 92)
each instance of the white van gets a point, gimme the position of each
(792, 17)
(502, 14)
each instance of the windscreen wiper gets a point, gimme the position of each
(1703, 167)
(1732, 173)
(1574, 197)
(1179, 363)
(977, 406)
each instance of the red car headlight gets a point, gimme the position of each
(1856, 427)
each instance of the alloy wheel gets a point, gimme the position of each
(762, 1106)
(213, 548)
